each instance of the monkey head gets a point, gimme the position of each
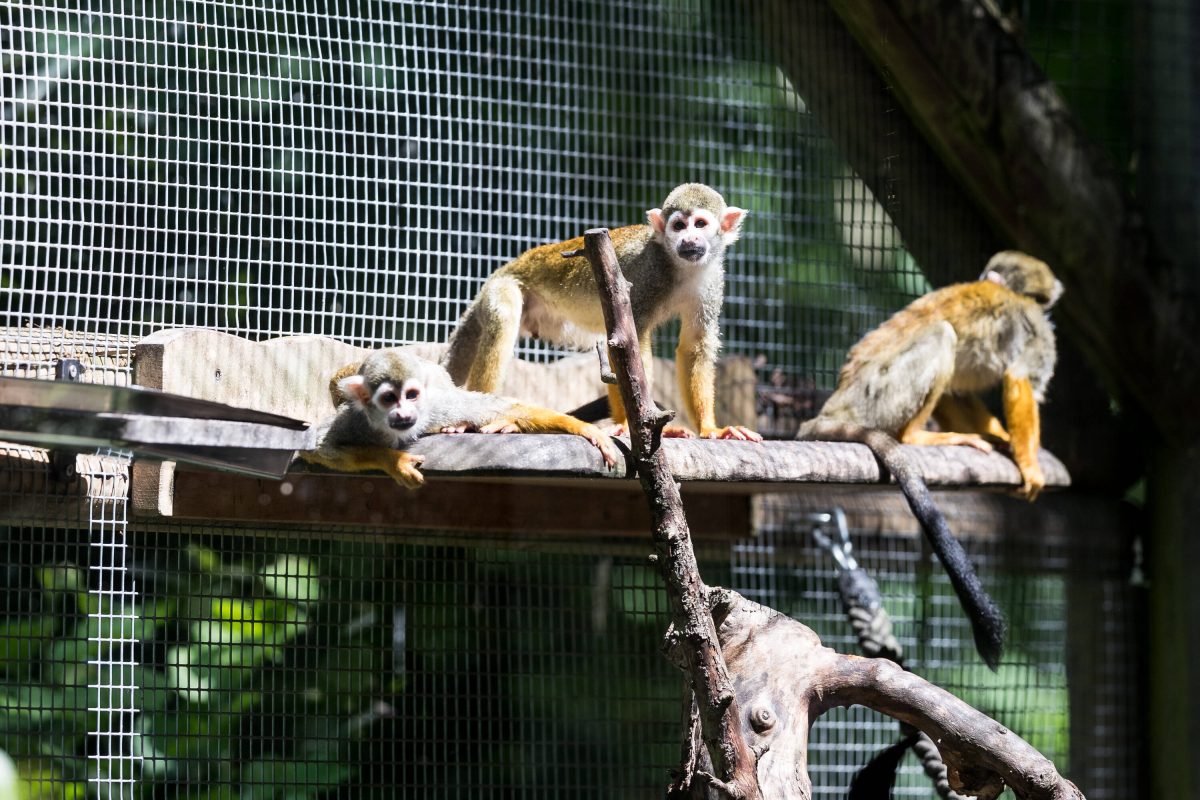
(1024, 275)
(390, 389)
(694, 225)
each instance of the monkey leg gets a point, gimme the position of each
(400, 464)
(498, 311)
(921, 436)
(1025, 428)
(913, 432)
(695, 370)
(617, 406)
(533, 419)
(968, 414)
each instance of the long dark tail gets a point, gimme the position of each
(460, 350)
(987, 623)
(593, 410)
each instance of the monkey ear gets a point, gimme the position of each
(355, 387)
(995, 277)
(657, 221)
(731, 223)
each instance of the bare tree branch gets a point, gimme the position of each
(732, 759)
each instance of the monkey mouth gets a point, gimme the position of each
(691, 252)
(401, 423)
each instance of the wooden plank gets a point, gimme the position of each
(506, 508)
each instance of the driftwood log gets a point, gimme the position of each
(760, 678)
(784, 679)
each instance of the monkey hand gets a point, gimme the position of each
(463, 428)
(738, 432)
(501, 425)
(1033, 481)
(602, 443)
(403, 468)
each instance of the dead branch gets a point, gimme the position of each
(785, 678)
(733, 762)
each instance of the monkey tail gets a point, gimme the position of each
(987, 622)
(593, 410)
(460, 350)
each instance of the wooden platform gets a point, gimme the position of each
(553, 484)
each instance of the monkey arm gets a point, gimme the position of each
(534, 419)
(400, 464)
(1025, 429)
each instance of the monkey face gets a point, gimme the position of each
(1025, 275)
(688, 235)
(696, 234)
(401, 405)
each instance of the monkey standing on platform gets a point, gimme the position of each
(675, 268)
(932, 359)
(396, 397)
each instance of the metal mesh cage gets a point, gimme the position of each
(355, 170)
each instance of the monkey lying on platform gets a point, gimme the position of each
(395, 397)
(675, 268)
(931, 359)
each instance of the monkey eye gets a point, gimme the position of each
(388, 398)
(679, 225)
(701, 222)
(412, 394)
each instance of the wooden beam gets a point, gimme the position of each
(496, 508)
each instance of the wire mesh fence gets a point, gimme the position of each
(355, 170)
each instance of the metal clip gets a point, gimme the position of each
(62, 462)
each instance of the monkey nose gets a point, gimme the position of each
(401, 423)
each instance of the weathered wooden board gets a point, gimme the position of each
(290, 375)
(499, 508)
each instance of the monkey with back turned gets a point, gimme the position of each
(931, 359)
(395, 397)
(675, 268)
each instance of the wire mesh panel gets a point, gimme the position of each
(356, 170)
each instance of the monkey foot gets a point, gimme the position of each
(668, 431)
(677, 432)
(923, 437)
(737, 432)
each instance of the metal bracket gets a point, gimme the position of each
(62, 462)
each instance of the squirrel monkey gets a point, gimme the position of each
(932, 359)
(675, 267)
(394, 397)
